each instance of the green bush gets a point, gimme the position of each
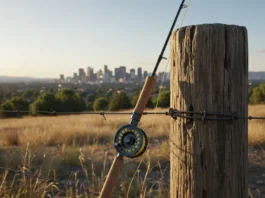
(149, 103)
(163, 100)
(15, 103)
(45, 102)
(100, 104)
(257, 94)
(119, 101)
(69, 101)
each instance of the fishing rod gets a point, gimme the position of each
(130, 140)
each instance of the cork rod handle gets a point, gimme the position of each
(145, 94)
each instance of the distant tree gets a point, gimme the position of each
(100, 92)
(100, 104)
(262, 88)
(149, 103)
(119, 101)
(69, 101)
(7, 106)
(83, 94)
(258, 95)
(52, 90)
(36, 94)
(2, 95)
(89, 106)
(250, 92)
(91, 98)
(45, 102)
(28, 95)
(20, 103)
(163, 100)
(15, 103)
(8, 95)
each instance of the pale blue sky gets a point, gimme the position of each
(46, 38)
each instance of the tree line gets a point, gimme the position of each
(69, 100)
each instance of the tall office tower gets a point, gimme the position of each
(145, 74)
(107, 74)
(139, 73)
(111, 73)
(61, 77)
(106, 69)
(99, 75)
(75, 77)
(122, 71)
(90, 73)
(81, 73)
(132, 73)
(117, 73)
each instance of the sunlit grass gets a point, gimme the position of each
(79, 149)
(256, 128)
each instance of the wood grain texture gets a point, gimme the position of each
(209, 71)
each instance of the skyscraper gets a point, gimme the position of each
(90, 73)
(107, 74)
(132, 73)
(62, 78)
(100, 75)
(117, 73)
(145, 74)
(122, 71)
(82, 75)
(106, 69)
(139, 73)
(75, 77)
(81, 72)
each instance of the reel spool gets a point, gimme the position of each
(130, 141)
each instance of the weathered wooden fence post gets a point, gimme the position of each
(209, 71)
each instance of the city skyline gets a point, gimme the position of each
(120, 74)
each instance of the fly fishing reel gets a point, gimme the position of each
(130, 141)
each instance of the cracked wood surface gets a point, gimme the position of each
(209, 71)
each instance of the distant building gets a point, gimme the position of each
(100, 75)
(75, 77)
(139, 73)
(69, 79)
(122, 71)
(62, 78)
(106, 69)
(117, 73)
(107, 74)
(132, 74)
(82, 75)
(145, 74)
(90, 74)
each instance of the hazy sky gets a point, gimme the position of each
(43, 38)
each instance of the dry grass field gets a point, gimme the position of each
(77, 151)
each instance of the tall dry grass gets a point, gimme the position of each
(256, 128)
(78, 129)
(78, 149)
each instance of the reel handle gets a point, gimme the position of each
(112, 177)
(142, 100)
